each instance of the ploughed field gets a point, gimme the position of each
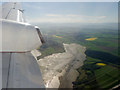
(101, 68)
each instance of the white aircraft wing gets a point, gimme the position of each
(19, 68)
(12, 11)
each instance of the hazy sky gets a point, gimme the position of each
(70, 12)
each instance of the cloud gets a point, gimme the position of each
(101, 17)
(53, 15)
(69, 18)
(73, 15)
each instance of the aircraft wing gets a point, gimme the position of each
(21, 71)
(19, 68)
(13, 11)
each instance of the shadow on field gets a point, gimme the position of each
(105, 57)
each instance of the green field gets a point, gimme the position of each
(104, 49)
(107, 76)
